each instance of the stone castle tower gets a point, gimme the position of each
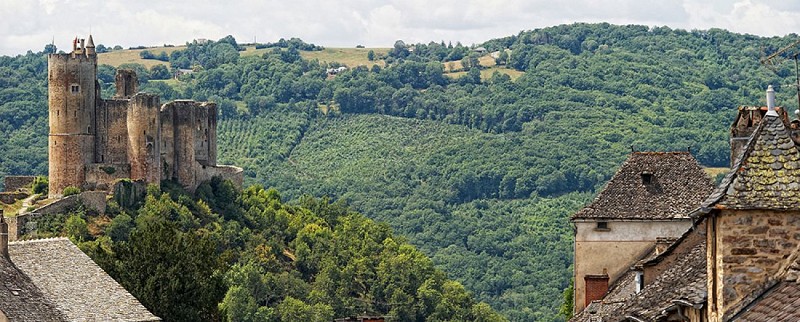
(93, 141)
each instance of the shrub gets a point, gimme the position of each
(68, 191)
(40, 185)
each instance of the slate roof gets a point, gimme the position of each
(21, 300)
(684, 281)
(782, 303)
(74, 283)
(678, 186)
(767, 173)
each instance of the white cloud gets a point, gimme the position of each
(28, 24)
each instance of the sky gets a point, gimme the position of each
(31, 24)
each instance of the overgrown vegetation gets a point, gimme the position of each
(248, 256)
(478, 172)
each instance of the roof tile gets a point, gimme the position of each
(678, 185)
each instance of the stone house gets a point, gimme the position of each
(740, 260)
(644, 205)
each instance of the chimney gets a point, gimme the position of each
(771, 102)
(596, 287)
(3, 236)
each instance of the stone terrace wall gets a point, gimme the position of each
(14, 183)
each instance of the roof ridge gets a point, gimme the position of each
(38, 240)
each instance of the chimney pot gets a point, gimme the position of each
(771, 101)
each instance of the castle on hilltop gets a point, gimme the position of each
(93, 141)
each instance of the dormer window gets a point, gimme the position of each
(647, 177)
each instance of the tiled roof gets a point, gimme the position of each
(766, 175)
(678, 185)
(21, 300)
(78, 287)
(684, 281)
(781, 303)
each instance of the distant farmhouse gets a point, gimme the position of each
(738, 258)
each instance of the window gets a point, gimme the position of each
(647, 178)
(74, 88)
(639, 281)
(602, 225)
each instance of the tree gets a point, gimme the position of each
(371, 55)
(159, 72)
(174, 274)
(568, 304)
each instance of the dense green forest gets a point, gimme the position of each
(480, 174)
(233, 255)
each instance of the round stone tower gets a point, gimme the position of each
(72, 96)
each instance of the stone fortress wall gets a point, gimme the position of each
(93, 141)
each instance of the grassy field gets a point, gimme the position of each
(350, 57)
(126, 56)
(487, 73)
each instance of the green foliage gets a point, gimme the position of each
(264, 260)
(40, 185)
(120, 227)
(76, 229)
(568, 304)
(69, 191)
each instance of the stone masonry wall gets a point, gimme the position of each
(751, 248)
(14, 183)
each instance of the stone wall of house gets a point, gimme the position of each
(746, 249)
(616, 248)
(14, 183)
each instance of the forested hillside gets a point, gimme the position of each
(480, 173)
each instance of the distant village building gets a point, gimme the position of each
(740, 259)
(183, 71)
(480, 50)
(337, 70)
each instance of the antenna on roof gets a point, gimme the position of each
(778, 57)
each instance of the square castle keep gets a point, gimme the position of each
(93, 141)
